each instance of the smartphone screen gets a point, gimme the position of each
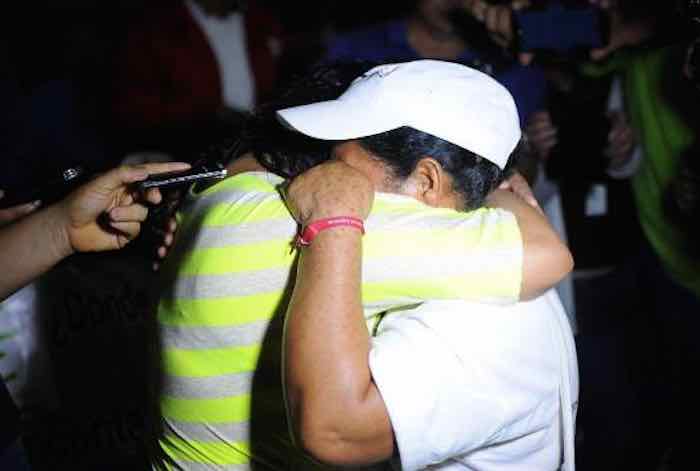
(559, 28)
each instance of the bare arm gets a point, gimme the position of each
(546, 259)
(37, 242)
(336, 410)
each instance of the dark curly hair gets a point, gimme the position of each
(283, 151)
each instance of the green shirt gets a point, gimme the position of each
(664, 137)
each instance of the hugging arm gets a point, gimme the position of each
(337, 412)
(546, 259)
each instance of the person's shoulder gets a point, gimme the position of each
(261, 183)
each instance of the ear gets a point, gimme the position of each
(430, 183)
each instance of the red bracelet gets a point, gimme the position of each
(309, 233)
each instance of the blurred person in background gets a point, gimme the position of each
(432, 31)
(636, 399)
(663, 109)
(189, 69)
(588, 148)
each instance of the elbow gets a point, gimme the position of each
(561, 261)
(549, 266)
(323, 440)
(565, 261)
(325, 448)
(341, 436)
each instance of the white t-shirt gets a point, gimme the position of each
(479, 387)
(227, 38)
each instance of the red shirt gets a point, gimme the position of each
(167, 72)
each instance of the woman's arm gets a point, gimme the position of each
(336, 410)
(546, 259)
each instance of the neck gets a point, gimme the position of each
(431, 43)
(245, 163)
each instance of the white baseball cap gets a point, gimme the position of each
(450, 101)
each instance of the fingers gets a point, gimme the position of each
(499, 21)
(163, 250)
(131, 213)
(135, 174)
(153, 196)
(14, 213)
(334, 188)
(477, 8)
(623, 32)
(519, 186)
(168, 240)
(125, 232)
(118, 177)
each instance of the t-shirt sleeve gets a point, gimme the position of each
(412, 252)
(436, 410)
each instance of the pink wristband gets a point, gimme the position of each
(309, 233)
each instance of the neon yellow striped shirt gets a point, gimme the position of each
(226, 288)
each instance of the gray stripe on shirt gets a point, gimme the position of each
(209, 433)
(211, 387)
(200, 337)
(247, 233)
(245, 283)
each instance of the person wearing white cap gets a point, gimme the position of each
(447, 384)
(230, 273)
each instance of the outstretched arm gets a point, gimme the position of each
(101, 215)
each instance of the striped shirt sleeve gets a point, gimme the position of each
(413, 252)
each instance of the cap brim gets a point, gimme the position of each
(336, 120)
